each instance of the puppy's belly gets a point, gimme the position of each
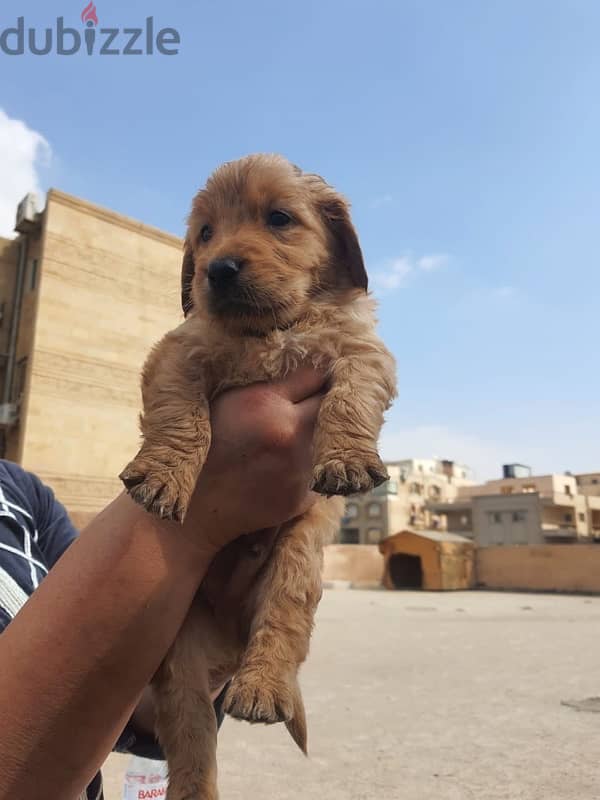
(219, 640)
(226, 603)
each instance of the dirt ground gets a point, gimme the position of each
(413, 696)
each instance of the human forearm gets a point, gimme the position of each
(78, 655)
(76, 658)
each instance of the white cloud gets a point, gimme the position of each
(395, 272)
(381, 200)
(432, 262)
(23, 152)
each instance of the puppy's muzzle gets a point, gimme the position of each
(223, 274)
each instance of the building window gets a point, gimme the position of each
(594, 481)
(416, 488)
(373, 510)
(349, 536)
(33, 274)
(567, 489)
(568, 517)
(374, 535)
(507, 490)
(435, 492)
(351, 511)
(519, 516)
(494, 518)
(581, 517)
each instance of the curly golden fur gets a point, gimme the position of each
(272, 277)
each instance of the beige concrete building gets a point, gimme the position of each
(402, 502)
(84, 293)
(588, 484)
(531, 510)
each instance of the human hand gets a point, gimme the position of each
(260, 462)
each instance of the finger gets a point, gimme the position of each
(300, 384)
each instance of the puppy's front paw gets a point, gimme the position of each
(357, 473)
(159, 490)
(256, 698)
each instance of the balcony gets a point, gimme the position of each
(554, 530)
(558, 499)
(446, 507)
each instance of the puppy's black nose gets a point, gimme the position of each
(223, 272)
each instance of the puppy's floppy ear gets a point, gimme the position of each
(187, 275)
(336, 214)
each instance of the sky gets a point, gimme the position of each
(466, 135)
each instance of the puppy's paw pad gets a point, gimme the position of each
(156, 489)
(259, 701)
(356, 474)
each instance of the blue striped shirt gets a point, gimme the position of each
(35, 531)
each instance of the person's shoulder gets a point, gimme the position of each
(11, 471)
(22, 485)
(25, 493)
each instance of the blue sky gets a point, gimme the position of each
(466, 135)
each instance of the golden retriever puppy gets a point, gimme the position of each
(272, 277)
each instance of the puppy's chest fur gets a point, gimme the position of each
(326, 333)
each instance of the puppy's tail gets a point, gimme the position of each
(297, 724)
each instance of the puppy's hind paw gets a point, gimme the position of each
(356, 474)
(156, 489)
(255, 699)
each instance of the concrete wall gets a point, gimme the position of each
(559, 567)
(519, 520)
(109, 288)
(589, 484)
(357, 563)
(542, 484)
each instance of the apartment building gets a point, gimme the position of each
(402, 502)
(84, 293)
(521, 509)
(588, 484)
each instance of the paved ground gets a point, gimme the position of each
(413, 696)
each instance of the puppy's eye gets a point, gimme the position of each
(279, 219)
(206, 233)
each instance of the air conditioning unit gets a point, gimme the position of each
(8, 415)
(27, 214)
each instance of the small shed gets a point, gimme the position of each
(430, 560)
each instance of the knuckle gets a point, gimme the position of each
(279, 434)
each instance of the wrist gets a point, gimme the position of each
(185, 553)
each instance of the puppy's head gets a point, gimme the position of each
(263, 240)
